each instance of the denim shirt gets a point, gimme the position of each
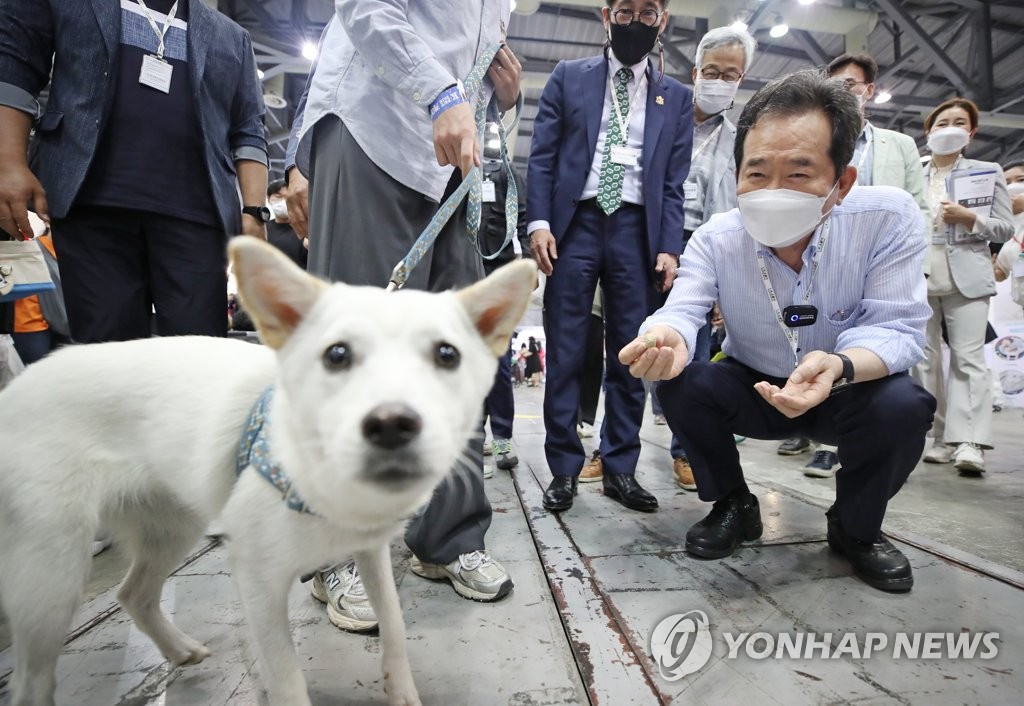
(85, 36)
(382, 63)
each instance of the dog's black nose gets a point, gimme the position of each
(391, 425)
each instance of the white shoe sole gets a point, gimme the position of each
(969, 467)
(339, 620)
(686, 486)
(937, 458)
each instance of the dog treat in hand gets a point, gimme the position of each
(650, 340)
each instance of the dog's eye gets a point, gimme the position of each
(446, 355)
(338, 356)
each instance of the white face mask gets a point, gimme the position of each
(714, 96)
(777, 218)
(279, 208)
(1016, 188)
(948, 140)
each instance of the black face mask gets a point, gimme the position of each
(633, 42)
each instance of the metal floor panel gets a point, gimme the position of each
(592, 584)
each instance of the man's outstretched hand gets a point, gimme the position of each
(659, 354)
(808, 386)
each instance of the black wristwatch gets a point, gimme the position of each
(260, 213)
(847, 375)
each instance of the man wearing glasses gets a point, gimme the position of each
(882, 158)
(611, 150)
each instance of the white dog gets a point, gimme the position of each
(375, 395)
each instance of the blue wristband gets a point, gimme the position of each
(448, 98)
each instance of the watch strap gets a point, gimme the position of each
(846, 378)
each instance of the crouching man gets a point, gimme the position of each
(824, 300)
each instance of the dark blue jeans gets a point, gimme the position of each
(500, 405)
(879, 427)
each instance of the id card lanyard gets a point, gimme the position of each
(156, 73)
(624, 119)
(792, 334)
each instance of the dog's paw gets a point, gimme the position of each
(193, 653)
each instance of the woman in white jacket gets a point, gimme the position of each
(959, 289)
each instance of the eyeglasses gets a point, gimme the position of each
(729, 76)
(625, 17)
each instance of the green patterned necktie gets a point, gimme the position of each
(609, 183)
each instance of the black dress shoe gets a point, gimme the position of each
(733, 520)
(623, 488)
(878, 564)
(559, 494)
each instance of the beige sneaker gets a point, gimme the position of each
(969, 459)
(684, 474)
(593, 471)
(474, 575)
(938, 453)
(348, 606)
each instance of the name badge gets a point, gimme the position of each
(156, 73)
(1018, 267)
(690, 191)
(487, 194)
(626, 156)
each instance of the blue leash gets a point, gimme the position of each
(472, 185)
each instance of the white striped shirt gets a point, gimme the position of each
(869, 289)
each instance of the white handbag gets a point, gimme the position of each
(23, 270)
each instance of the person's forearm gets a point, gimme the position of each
(866, 365)
(15, 127)
(252, 181)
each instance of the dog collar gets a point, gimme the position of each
(254, 451)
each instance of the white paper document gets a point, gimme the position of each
(974, 190)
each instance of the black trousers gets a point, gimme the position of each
(118, 265)
(879, 427)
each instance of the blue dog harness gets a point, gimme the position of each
(254, 450)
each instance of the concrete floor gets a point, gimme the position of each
(592, 585)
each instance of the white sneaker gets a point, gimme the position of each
(342, 590)
(585, 430)
(938, 453)
(969, 459)
(474, 575)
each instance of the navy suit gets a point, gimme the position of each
(619, 250)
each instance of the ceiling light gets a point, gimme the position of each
(779, 28)
(260, 74)
(309, 50)
(883, 97)
(739, 26)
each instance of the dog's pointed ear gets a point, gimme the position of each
(274, 290)
(497, 303)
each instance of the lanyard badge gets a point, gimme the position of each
(792, 318)
(156, 72)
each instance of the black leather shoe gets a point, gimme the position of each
(623, 488)
(879, 564)
(560, 493)
(733, 520)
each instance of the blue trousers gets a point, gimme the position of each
(879, 427)
(611, 250)
(500, 405)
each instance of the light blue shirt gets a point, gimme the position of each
(869, 289)
(382, 63)
(864, 155)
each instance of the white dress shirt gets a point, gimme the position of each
(868, 290)
(632, 181)
(381, 64)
